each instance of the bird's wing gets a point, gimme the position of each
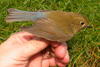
(46, 28)
(43, 10)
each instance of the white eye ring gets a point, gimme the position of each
(82, 23)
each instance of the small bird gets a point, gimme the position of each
(57, 26)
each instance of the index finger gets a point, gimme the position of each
(21, 37)
(59, 49)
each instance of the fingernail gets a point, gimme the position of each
(64, 45)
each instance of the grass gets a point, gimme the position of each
(84, 47)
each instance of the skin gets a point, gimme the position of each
(23, 49)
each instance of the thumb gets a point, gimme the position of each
(32, 47)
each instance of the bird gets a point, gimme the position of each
(51, 25)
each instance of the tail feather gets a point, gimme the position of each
(18, 15)
(11, 10)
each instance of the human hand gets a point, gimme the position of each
(24, 50)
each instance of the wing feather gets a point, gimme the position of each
(46, 28)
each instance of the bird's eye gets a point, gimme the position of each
(82, 23)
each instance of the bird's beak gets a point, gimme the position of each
(89, 26)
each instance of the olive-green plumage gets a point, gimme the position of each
(52, 25)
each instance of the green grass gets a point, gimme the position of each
(84, 47)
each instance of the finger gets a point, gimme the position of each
(52, 62)
(55, 44)
(64, 61)
(60, 50)
(21, 37)
(35, 61)
(32, 47)
(17, 38)
(59, 63)
(45, 63)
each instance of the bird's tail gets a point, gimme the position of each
(18, 15)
